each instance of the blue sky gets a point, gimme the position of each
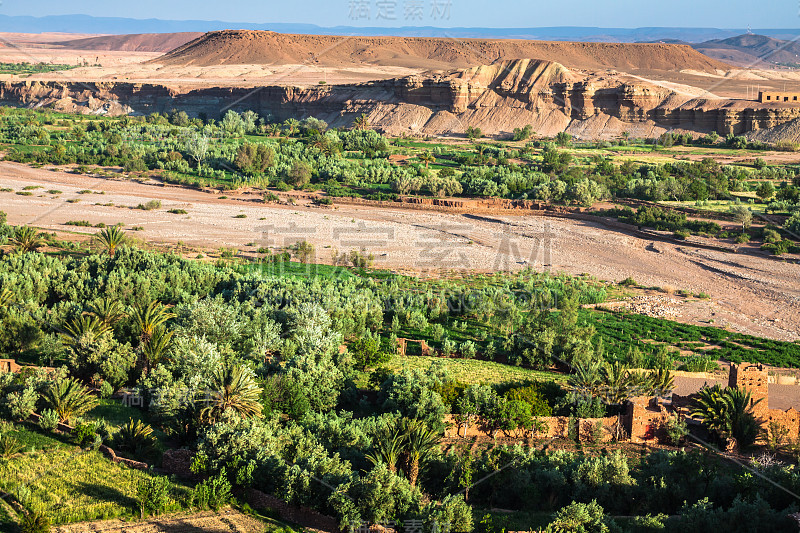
(443, 13)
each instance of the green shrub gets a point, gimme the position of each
(153, 495)
(149, 206)
(177, 211)
(213, 493)
(85, 433)
(21, 404)
(468, 350)
(48, 420)
(271, 198)
(771, 236)
(106, 390)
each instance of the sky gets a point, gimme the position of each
(442, 13)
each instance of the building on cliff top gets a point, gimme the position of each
(777, 97)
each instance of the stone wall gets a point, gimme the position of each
(557, 428)
(9, 365)
(302, 516)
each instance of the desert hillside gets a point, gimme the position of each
(141, 42)
(232, 47)
(752, 50)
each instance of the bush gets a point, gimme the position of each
(106, 390)
(676, 430)
(468, 350)
(742, 238)
(48, 420)
(213, 493)
(771, 236)
(149, 206)
(299, 175)
(579, 517)
(153, 495)
(85, 433)
(21, 404)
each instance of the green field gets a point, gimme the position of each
(475, 372)
(74, 485)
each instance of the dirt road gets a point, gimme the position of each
(749, 294)
(224, 521)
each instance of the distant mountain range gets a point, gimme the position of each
(112, 25)
(752, 50)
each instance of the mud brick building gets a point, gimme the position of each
(778, 97)
(755, 379)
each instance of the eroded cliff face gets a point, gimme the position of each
(496, 98)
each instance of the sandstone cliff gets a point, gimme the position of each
(497, 98)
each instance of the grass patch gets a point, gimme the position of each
(73, 485)
(474, 371)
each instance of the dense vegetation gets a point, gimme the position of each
(244, 366)
(248, 149)
(283, 376)
(32, 68)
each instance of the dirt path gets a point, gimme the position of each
(749, 294)
(224, 521)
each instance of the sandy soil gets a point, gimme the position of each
(109, 60)
(750, 294)
(333, 67)
(135, 66)
(224, 521)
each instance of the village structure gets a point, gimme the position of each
(771, 97)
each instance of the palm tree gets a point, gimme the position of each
(585, 381)
(291, 126)
(68, 398)
(274, 130)
(83, 329)
(420, 443)
(661, 382)
(108, 311)
(110, 239)
(387, 448)
(727, 413)
(135, 437)
(146, 318)
(9, 447)
(743, 424)
(26, 239)
(361, 122)
(710, 406)
(618, 384)
(427, 158)
(232, 388)
(156, 346)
